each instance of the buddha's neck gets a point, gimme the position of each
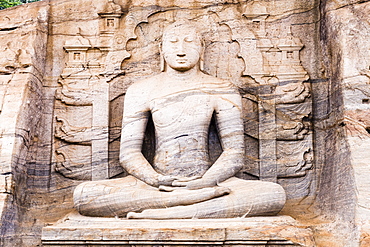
(188, 76)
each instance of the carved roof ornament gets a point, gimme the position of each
(77, 56)
(76, 48)
(291, 67)
(290, 43)
(281, 58)
(111, 8)
(255, 10)
(109, 25)
(264, 45)
(257, 13)
(77, 42)
(110, 14)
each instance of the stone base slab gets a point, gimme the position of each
(77, 230)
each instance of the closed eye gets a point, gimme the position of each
(189, 39)
(174, 40)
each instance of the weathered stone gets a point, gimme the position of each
(301, 67)
(181, 182)
(77, 230)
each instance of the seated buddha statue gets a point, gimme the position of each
(181, 182)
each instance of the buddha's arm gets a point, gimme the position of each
(135, 118)
(228, 109)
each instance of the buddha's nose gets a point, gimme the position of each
(181, 50)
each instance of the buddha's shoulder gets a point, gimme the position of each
(145, 85)
(212, 82)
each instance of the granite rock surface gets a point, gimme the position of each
(301, 67)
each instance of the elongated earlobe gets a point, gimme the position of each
(162, 63)
(201, 59)
(201, 64)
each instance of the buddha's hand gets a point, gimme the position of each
(171, 183)
(168, 180)
(194, 184)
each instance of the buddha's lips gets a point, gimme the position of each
(181, 60)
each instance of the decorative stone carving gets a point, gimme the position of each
(257, 13)
(76, 97)
(110, 19)
(292, 130)
(279, 89)
(109, 26)
(13, 58)
(73, 163)
(118, 50)
(77, 58)
(85, 90)
(80, 135)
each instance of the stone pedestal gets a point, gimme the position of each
(77, 230)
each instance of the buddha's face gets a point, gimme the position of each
(181, 47)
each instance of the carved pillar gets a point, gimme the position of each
(284, 106)
(267, 138)
(82, 115)
(84, 95)
(100, 123)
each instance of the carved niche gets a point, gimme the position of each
(81, 114)
(239, 47)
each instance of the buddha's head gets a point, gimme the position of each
(182, 47)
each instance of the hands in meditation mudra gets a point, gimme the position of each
(181, 182)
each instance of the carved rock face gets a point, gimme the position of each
(181, 47)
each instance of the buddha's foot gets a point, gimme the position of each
(133, 215)
(220, 191)
(181, 198)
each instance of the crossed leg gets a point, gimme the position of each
(117, 197)
(247, 198)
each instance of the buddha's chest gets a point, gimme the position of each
(190, 109)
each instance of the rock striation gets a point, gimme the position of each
(302, 69)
